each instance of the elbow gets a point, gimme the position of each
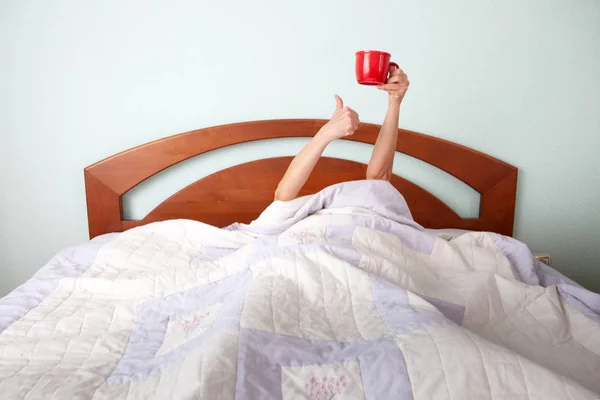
(380, 174)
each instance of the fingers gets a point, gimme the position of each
(346, 114)
(397, 76)
(396, 71)
(394, 86)
(339, 103)
(351, 120)
(343, 122)
(398, 82)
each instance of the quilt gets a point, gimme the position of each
(338, 295)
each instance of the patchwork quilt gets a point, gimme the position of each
(339, 295)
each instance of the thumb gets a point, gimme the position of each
(339, 103)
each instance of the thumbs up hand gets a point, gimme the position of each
(343, 122)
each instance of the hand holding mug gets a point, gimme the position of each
(397, 85)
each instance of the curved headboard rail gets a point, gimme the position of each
(107, 180)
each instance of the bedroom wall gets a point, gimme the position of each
(80, 81)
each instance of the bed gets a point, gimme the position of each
(356, 290)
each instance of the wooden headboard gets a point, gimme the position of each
(242, 192)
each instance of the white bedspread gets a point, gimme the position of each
(334, 296)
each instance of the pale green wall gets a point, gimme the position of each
(81, 80)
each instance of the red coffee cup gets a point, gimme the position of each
(373, 67)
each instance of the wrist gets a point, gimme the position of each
(323, 137)
(394, 102)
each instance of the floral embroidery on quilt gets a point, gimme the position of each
(190, 325)
(331, 381)
(326, 388)
(305, 237)
(183, 329)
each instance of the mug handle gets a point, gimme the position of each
(394, 64)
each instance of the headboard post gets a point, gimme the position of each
(103, 206)
(497, 205)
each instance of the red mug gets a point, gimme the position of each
(373, 67)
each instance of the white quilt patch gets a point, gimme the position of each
(318, 296)
(450, 363)
(183, 329)
(323, 382)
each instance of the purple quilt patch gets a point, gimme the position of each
(398, 315)
(520, 258)
(262, 355)
(452, 311)
(581, 299)
(69, 263)
(141, 359)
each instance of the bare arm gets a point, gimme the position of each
(382, 158)
(343, 122)
(300, 168)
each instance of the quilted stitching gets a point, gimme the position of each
(309, 286)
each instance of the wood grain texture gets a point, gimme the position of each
(240, 193)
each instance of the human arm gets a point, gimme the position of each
(382, 158)
(343, 122)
